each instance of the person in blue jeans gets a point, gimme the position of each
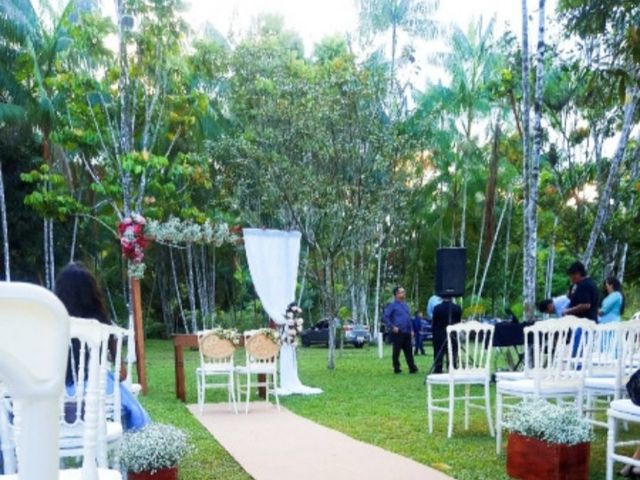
(416, 322)
(78, 290)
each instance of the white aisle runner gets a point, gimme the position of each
(272, 445)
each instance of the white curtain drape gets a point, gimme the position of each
(273, 257)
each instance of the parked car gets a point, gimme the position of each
(318, 334)
(354, 334)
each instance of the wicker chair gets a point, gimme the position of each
(216, 360)
(261, 359)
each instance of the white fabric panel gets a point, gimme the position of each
(273, 257)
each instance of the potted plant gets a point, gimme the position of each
(153, 452)
(547, 441)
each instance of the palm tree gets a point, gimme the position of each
(29, 43)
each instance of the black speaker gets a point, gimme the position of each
(451, 268)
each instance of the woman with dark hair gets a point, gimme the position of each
(613, 304)
(78, 290)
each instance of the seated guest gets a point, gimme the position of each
(555, 305)
(417, 335)
(613, 304)
(444, 314)
(78, 290)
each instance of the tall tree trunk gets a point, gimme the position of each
(74, 239)
(492, 183)
(505, 292)
(623, 262)
(526, 159)
(5, 229)
(548, 287)
(177, 289)
(191, 288)
(45, 245)
(463, 219)
(376, 304)
(602, 214)
(330, 311)
(479, 254)
(492, 248)
(126, 123)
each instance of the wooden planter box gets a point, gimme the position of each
(164, 474)
(532, 459)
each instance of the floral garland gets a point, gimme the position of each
(230, 334)
(131, 231)
(293, 325)
(178, 232)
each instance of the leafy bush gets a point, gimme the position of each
(153, 448)
(559, 424)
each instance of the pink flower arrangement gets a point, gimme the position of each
(132, 239)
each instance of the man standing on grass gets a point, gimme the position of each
(397, 318)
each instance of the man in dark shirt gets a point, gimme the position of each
(444, 314)
(584, 296)
(398, 322)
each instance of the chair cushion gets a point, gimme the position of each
(510, 376)
(600, 383)
(257, 368)
(625, 406)
(461, 377)
(215, 368)
(527, 386)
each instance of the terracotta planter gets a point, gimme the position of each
(532, 459)
(164, 474)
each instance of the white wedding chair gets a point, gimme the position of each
(560, 351)
(216, 360)
(134, 388)
(471, 343)
(84, 425)
(521, 374)
(34, 334)
(610, 365)
(7, 447)
(620, 411)
(261, 356)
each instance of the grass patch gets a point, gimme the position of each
(362, 398)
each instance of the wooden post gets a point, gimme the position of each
(136, 299)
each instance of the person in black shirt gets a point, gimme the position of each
(583, 295)
(442, 313)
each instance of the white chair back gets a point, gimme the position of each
(7, 447)
(215, 351)
(560, 350)
(607, 350)
(34, 335)
(471, 343)
(260, 350)
(83, 407)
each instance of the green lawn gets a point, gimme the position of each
(361, 398)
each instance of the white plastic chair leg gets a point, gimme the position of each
(487, 408)
(451, 409)
(498, 422)
(429, 407)
(467, 389)
(611, 442)
(275, 389)
(246, 408)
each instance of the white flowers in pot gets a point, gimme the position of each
(556, 424)
(155, 447)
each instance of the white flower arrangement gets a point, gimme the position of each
(270, 333)
(178, 232)
(557, 424)
(293, 325)
(230, 334)
(155, 447)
